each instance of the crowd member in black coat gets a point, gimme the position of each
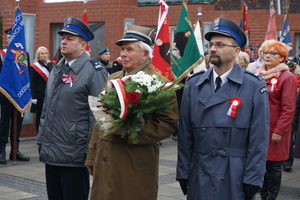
(117, 65)
(39, 73)
(104, 55)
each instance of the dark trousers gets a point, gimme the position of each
(37, 121)
(7, 122)
(290, 160)
(67, 183)
(272, 180)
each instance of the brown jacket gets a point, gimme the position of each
(126, 171)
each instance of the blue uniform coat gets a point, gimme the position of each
(218, 153)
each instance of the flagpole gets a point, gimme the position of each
(14, 146)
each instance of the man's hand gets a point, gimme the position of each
(90, 169)
(184, 184)
(250, 191)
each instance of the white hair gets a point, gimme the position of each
(145, 46)
(242, 55)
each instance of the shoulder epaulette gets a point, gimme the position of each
(259, 77)
(196, 74)
(96, 64)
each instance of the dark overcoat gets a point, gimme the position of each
(218, 153)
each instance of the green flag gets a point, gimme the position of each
(185, 54)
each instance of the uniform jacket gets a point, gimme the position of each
(218, 153)
(129, 171)
(66, 120)
(39, 74)
(282, 108)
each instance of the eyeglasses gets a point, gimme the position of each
(271, 53)
(218, 45)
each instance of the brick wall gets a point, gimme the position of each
(113, 12)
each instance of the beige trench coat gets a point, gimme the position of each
(122, 170)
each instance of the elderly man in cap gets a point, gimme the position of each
(66, 121)
(121, 169)
(104, 55)
(224, 124)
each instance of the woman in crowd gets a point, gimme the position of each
(39, 73)
(282, 97)
(254, 66)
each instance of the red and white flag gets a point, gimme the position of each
(161, 52)
(85, 20)
(271, 31)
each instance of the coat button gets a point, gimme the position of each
(104, 159)
(203, 129)
(223, 178)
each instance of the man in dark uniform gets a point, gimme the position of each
(66, 120)
(7, 120)
(224, 124)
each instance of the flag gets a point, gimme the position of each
(185, 54)
(271, 31)
(14, 78)
(245, 26)
(285, 35)
(85, 20)
(161, 51)
(198, 37)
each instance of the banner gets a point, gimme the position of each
(14, 77)
(271, 31)
(245, 26)
(285, 35)
(198, 37)
(161, 51)
(85, 20)
(185, 53)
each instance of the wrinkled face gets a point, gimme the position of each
(272, 58)
(223, 54)
(72, 46)
(132, 55)
(43, 55)
(105, 56)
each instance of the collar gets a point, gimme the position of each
(236, 74)
(223, 76)
(70, 62)
(139, 68)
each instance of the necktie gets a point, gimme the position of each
(66, 65)
(218, 83)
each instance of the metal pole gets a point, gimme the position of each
(14, 150)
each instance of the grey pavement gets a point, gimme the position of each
(26, 180)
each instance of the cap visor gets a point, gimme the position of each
(119, 42)
(209, 35)
(66, 31)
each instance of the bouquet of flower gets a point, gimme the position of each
(131, 101)
(293, 67)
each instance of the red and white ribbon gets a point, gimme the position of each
(68, 79)
(119, 86)
(234, 103)
(273, 81)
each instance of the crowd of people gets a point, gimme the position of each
(234, 131)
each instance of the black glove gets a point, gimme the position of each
(184, 184)
(250, 191)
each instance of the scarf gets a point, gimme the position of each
(276, 71)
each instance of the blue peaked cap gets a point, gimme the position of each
(227, 27)
(75, 26)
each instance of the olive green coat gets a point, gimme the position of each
(122, 170)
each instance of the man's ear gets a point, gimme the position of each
(146, 53)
